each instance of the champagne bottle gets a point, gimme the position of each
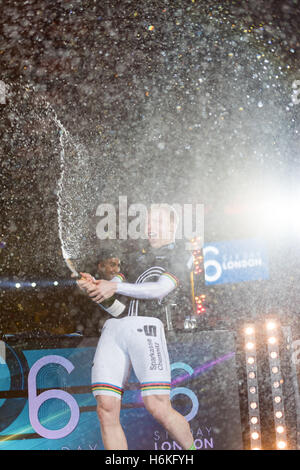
(113, 306)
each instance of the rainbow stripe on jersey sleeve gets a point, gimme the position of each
(120, 276)
(172, 277)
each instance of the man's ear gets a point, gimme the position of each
(100, 266)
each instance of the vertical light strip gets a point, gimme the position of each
(272, 333)
(198, 268)
(252, 387)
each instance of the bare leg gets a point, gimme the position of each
(177, 426)
(108, 410)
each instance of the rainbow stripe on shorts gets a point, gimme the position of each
(99, 387)
(155, 386)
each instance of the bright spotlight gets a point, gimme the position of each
(253, 405)
(249, 330)
(272, 340)
(281, 445)
(271, 325)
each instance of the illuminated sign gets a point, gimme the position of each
(46, 400)
(235, 261)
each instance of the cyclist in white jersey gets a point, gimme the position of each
(136, 338)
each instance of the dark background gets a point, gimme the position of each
(194, 110)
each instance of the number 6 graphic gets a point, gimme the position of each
(212, 263)
(35, 401)
(186, 391)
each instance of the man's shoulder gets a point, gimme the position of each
(177, 260)
(173, 258)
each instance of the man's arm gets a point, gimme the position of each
(149, 290)
(87, 280)
(90, 285)
(102, 290)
